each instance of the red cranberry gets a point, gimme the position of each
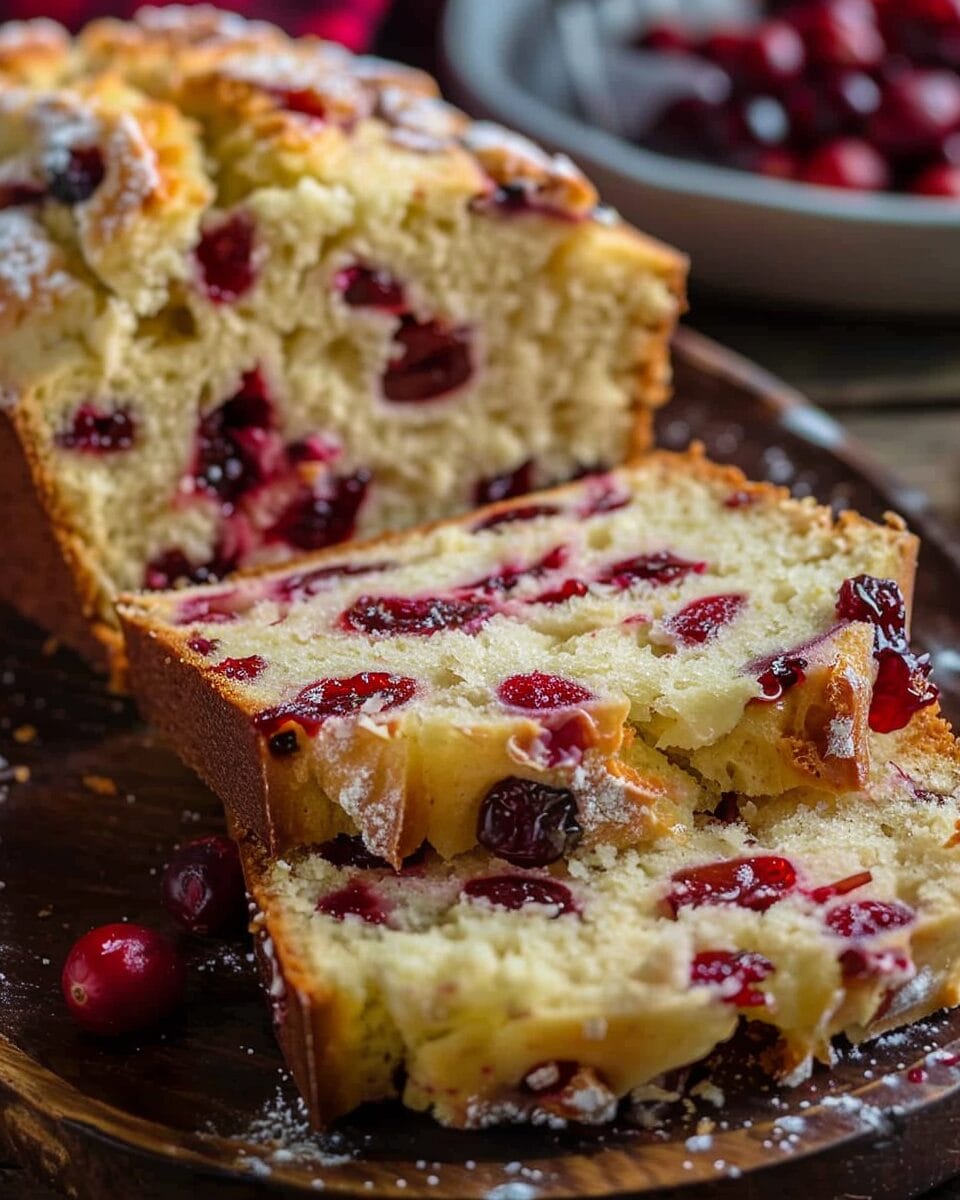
(539, 692)
(731, 974)
(526, 512)
(659, 568)
(93, 431)
(203, 645)
(918, 110)
(318, 519)
(202, 887)
(337, 697)
(305, 584)
(421, 617)
(782, 673)
(666, 39)
(368, 287)
(304, 101)
(839, 33)
(867, 918)
(236, 447)
(902, 686)
(349, 850)
(860, 964)
(241, 669)
(701, 620)
(122, 978)
(173, 566)
(504, 487)
(941, 179)
(12, 195)
(432, 360)
(842, 887)
(726, 48)
(79, 177)
(568, 590)
(772, 55)
(225, 255)
(356, 900)
(753, 883)
(528, 823)
(741, 499)
(847, 163)
(516, 891)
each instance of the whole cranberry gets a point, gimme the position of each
(847, 163)
(122, 978)
(839, 33)
(941, 180)
(202, 886)
(773, 55)
(919, 109)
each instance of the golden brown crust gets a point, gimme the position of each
(41, 577)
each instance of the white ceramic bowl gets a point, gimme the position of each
(746, 234)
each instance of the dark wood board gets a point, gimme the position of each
(186, 1111)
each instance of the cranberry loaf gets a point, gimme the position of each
(499, 994)
(258, 295)
(591, 640)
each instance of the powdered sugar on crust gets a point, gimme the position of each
(201, 23)
(132, 177)
(38, 33)
(29, 261)
(840, 739)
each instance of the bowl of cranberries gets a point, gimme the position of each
(803, 151)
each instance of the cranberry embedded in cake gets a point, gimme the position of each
(658, 569)
(538, 692)
(527, 512)
(902, 686)
(324, 517)
(506, 485)
(782, 673)
(226, 258)
(368, 287)
(867, 918)
(356, 901)
(241, 669)
(79, 176)
(373, 691)
(93, 430)
(512, 892)
(418, 616)
(753, 883)
(732, 974)
(430, 360)
(349, 850)
(700, 620)
(528, 823)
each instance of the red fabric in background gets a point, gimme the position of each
(352, 22)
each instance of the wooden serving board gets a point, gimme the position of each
(203, 1106)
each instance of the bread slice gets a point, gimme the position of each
(587, 639)
(488, 994)
(258, 295)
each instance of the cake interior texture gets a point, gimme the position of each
(615, 639)
(258, 295)
(551, 995)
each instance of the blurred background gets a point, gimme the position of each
(804, 153)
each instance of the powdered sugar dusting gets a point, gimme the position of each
(27, 259)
